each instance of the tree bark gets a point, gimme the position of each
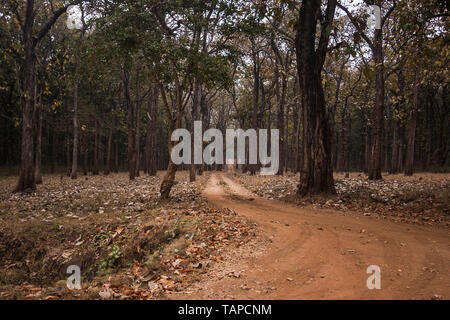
(38, 155)
(317, 171)
(130, 124)
(281, 92)
(409, 166)
(27, 181)
(96, 143)
(68, 163)
(196, 116)
(148, 136)
(110, 139)
(169, 178)
(85, 154)
(297, 121)
(75, 125)
(175, 122)
(395, 147)
(53, 152)
(154, 132)
(138, 123)
(377, 132)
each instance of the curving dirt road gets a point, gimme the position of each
(317, 254)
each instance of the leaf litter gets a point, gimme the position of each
(127, 243)
(422, 199)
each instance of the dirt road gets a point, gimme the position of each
(317, 254)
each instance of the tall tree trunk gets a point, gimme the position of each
(169, 178)
(154, 132)
(347, 144)
(378, 115)
(96, 147)
(130, 124)
(295, 129)
(148, 137)
(110, 140)
(317, 171)
(28, 68)
(409, 166)
(255, 109)
(75, 125)
(138, 123)
(204, 117)
(38, 155)
(27, 175)
(85, 154)
(400, 157)
(281, 99)
(68, 163)
(336, 139)
(53, 152)
(175, 122)
(116, 151)
(344, 138)
(395, 147)
(196, 116)
(281, 125)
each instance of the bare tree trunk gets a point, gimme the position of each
(138, 122)
(38, 119)
(204, 116)
(169, 178)
(38, 155)
(27, 175)
(110, 140)
(297, 122)
(377, 133)
(317, 171)
(347, 145)
(368, 148)
(27, 181)
(96, 143)
(409, 167)
(53, 153)
(148, 136)
(196, 116)
(344, 139)
(154, 132)
(400, 157)
(116, 152)
(281, 126)
(130, 124)
(395, 147)
(256, 82)
(336, 139)
(116, 135)
(175, 122)
(75, 125)
(85, 155)
(281, 99)
(68, 166)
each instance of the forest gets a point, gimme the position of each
(92, 93)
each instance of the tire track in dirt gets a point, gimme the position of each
(320, 254)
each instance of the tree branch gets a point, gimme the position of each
(357, 26)
(46, 28)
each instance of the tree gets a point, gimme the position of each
(376, 46)
(31, 39)
(317, 171)
(76, 140)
